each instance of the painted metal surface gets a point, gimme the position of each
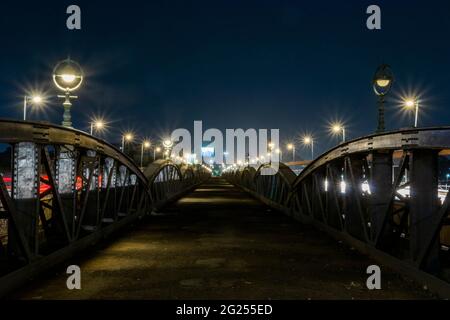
(357, 191)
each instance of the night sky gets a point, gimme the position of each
(154, 66)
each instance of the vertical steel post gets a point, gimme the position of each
(333, 196)
(92, 215)
(380, 189)
(355, 215)
(424, 205)
(25, 192)
(65, 180)
(381, 126)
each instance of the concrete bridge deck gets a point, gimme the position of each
(219, 243)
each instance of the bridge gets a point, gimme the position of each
(254, 232)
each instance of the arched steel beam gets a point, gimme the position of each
(433, 138)
(14, 131)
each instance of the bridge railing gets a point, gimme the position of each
(168, 181)
(380, 193)
(62, 190)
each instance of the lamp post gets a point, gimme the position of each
(145, 145)
(127, 137)
(271, 145)
(339, 129)
(308, 140)
(291, 147)
(168, 144)
(382, 83)
(97, 125)
(280, 155)
(35, 99)
(413, 104)
(67, 76)
(156, 150)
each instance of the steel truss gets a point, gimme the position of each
(63, 190)
(356, 192)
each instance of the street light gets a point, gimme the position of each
(291, 146)
(308, 140)
(168, 144)
(280, 155)
(98, 125)
(382, 83)
(145, 145)
(413, 104)
(67, 76)
(338, 128)
(156, 150)
(128, 137)
(271, 145)
(34, 99)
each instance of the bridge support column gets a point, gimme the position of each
(380, 189)
(108, 194)
(25, 193)
(123, 191)
(355, 215)
(424, 205)
(333, 196)
(91, 219)
(65, 180)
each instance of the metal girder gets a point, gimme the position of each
(425, 138)
(380, 182)
(397, 215)
(424, 206)
(67, 187)
(13, 132)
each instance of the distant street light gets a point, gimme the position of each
(309, 141)
(127, 137)
(413, 104)
(291, 146)
(338, 128)
(67, 76)
(145, 145)
(156, 150)
(271, 146)
(168, 144)
(382, 83)
(98, 125)
(35, 99)
(280, 155)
